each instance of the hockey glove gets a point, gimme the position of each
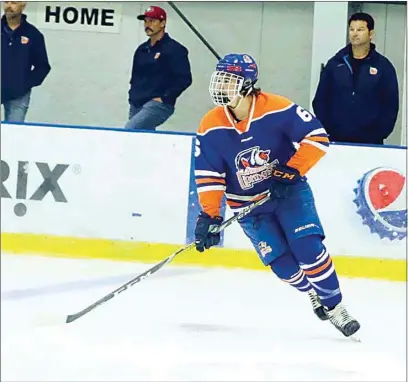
(203, 238)
(283, 177)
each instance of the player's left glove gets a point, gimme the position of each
(283, 177)
(204, 239)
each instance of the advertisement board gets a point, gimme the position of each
(131, 195)
(94, 183)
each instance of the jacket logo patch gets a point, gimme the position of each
(373, 71)
(157, 55)
(24, 40)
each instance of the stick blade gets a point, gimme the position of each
(73, 317)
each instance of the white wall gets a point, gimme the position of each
(89, 81)
(90, 74)
(329, 36)
(404, 131)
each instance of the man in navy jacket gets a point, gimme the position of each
(161, 72)
(357, 97)
(24, 61)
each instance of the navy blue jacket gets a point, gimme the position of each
(362, 109)
(162, 70)
(21, 50)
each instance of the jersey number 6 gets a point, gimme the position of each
(197, 150)
(304, 114)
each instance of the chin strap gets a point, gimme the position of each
(246, 91)
(241, 97)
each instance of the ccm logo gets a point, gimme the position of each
(283, 175)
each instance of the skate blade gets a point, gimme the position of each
(355, 338)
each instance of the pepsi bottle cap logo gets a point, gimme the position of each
(381, 202)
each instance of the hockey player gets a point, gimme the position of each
(254, 143)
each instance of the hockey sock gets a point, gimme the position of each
(318, 267)
(287, 269)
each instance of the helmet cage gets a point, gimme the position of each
(225, 86)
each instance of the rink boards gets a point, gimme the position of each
(108, 193)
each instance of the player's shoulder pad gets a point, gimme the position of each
(276, 103)
(213, 119)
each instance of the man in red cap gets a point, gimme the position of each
(161, 72)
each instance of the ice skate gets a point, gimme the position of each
(317, 305)
(341, 319)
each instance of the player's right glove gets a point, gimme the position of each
(203, 238)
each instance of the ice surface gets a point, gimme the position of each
(189, 324)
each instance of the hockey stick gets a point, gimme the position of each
(245, 211)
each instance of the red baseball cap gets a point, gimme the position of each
(154, 12)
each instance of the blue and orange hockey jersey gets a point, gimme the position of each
(237, 158)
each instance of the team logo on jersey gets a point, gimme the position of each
(253, 166)
(381, 202)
